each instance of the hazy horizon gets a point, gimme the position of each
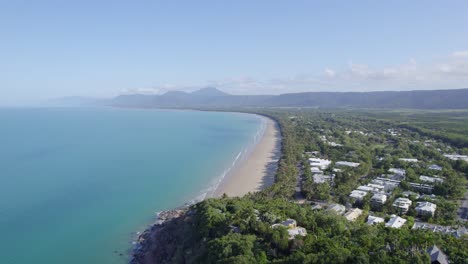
(104, 49)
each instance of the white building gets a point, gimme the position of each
(402, 204)
(320, 178)
(373, 220)
(293, 229)
(395, 222)
(334, 144)
(421, 187)
(358, 195)
(426, 208)
(297, 231)
(389, 184)
(456, 157)
(353, 214)
(378, 199)
(435, 167)
(409, 160)
(319, 163)
(365, 188)
(347, 164)
(397, 171)
(379, 187)
(289, 223)
(431, 179)
(374, 188)
(337, 208)
(315, 170)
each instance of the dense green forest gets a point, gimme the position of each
(239, 230)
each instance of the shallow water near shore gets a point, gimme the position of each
(77, 183)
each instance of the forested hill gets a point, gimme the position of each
(211, 97)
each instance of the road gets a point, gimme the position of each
(298, 195)
(463, 210)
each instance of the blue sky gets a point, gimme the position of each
(104, 48)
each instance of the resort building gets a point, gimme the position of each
(358, 195)
(446, 230)
(289, 223)
(320, 178)
(378, 187)
(389, 184)
(353, 214)
(347, 164)
(334, 144)
(319, 163)
(426, 208)
(392, 132)
(409, 160)
(395, 222)
(365, 188)
(292, 228)
(315, 170)
(374, 188)
(337, 208)
(378, 199)
(456, 157)
(431, 179)
(435, 167)
(421, 187)
(402, 204)
(297, 231)
(397, 171)
(373, 220)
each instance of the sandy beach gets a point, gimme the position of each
(257, 171)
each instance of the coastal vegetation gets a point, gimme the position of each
(243, 230)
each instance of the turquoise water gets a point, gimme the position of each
(76, 184)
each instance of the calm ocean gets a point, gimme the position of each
(77, 183)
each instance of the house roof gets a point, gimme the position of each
(353, 214)
(371, 220)
(397, 170)
(297, 231)
(339, 208)
(395, 222)
(288, 222)
(426, 206)
(435, 167)
(402, 202)
(358, 194)
(430, 179)
(409, 160)
(437, 255)
(379, 197)
(347, 163)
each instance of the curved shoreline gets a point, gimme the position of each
(256, 170)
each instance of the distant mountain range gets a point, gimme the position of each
(212, 97)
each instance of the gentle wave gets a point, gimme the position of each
(241, 156)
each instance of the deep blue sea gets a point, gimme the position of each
(77, 183)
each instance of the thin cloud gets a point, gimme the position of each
(447, 72)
